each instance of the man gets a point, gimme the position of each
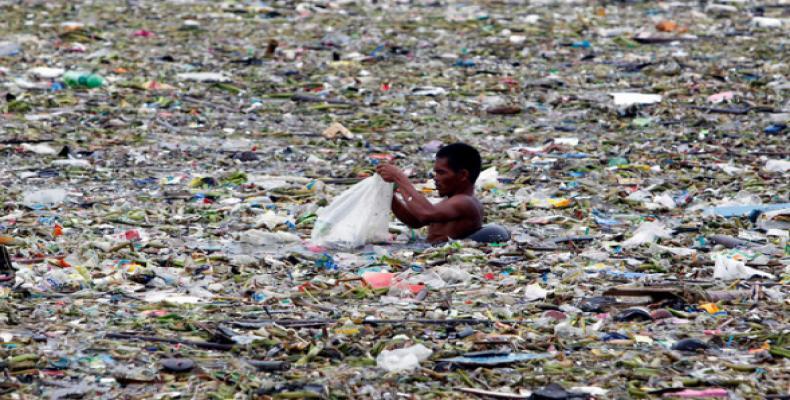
(459, 215)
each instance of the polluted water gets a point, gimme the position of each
(191, 209)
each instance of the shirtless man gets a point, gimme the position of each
(455, 170)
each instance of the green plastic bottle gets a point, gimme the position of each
(71, 78)
(82, 79)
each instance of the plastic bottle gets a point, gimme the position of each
(82, 79)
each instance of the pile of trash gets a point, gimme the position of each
(168, 169)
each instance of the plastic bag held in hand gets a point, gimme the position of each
(359, 215)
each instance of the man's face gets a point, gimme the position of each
(447, 181)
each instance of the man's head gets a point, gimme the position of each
(456, 168)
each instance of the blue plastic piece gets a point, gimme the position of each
(582, 44)
(613, 336)
(602, 219)
(775, 129)
(464, 63)
(496, 360)
(745, 210)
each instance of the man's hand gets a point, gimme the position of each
(390, 173)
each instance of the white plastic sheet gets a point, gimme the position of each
(647, 232)
(732, 266)
(777, 165)
(627, 99)
(535, 292)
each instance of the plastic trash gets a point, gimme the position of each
(541, 199)
(647, 232)
(494, 360)
(177, 364)
(699, 393)
(263, 238)
(487, 179)
(636, 228)
(203, 77)
(337, 129)
(775, 129)
(453, 275)
(534, 292)
(765, 22)
(690, 344)
(83, 79)
(627, 99)
(46, 72)
(357, 216)
(41, 148)
(71, 162)
(721, 97)
(744, 210)
(720, 9)
(8, 49)
(730, 266)
(777, 166)
(404, 359)
(45, 197)
(378, 280)
(429, 91)
(634, 314)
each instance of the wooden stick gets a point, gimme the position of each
(205, 345)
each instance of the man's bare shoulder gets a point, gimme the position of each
(463, 200)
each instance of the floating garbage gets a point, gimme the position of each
(44, 197)
(203, 77)
(627, 99)
(191, 206)
(403, 360)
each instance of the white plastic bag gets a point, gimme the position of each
(627, 99)
(405, 359)
(648, 232)
(488, 179)
(777, 165)
(359, 215)
(730, 266)
(203, 77)
(535, 292)
(453, 274)
(262, 238)
(46, 197)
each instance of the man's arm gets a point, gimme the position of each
(402, 213)
(426, 212)
(419, 206)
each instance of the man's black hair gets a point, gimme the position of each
(462, 156)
